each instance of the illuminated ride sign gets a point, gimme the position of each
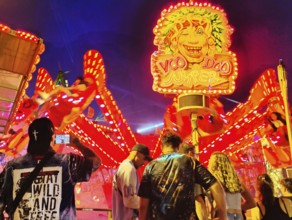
(193, 56)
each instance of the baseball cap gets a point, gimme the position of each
(141, 148)
(40, 130)
(40, 133)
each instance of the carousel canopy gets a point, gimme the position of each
(18, 56)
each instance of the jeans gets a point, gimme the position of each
(234, 216)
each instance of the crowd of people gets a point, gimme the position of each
(174, 186)
(177, 186)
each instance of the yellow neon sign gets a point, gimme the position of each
(193, 56)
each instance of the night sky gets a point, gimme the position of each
(122, 32)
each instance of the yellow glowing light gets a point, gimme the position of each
(178, 65)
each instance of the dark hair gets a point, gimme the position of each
(81, 78)
(40, 133)
(266, 188)
(84, 82)
(279, 117)
(171, 139)
(287, 183)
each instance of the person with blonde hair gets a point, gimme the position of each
(221, 167)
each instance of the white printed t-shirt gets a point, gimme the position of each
(51, 195)
(125, 188)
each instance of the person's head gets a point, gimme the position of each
(171, 140)
(286, 186)
(187, 149)
(78, 80)
(40, 133)
(11, 131)
(275, 116)
(265, 187)
(139, 154)
(221, 167)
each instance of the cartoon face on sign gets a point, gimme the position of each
(193, 39)
(193, 56)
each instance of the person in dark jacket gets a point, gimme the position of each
(51, 194)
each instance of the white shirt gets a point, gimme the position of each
(233, 200)
(125, 188)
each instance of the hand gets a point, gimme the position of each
(74, 140)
